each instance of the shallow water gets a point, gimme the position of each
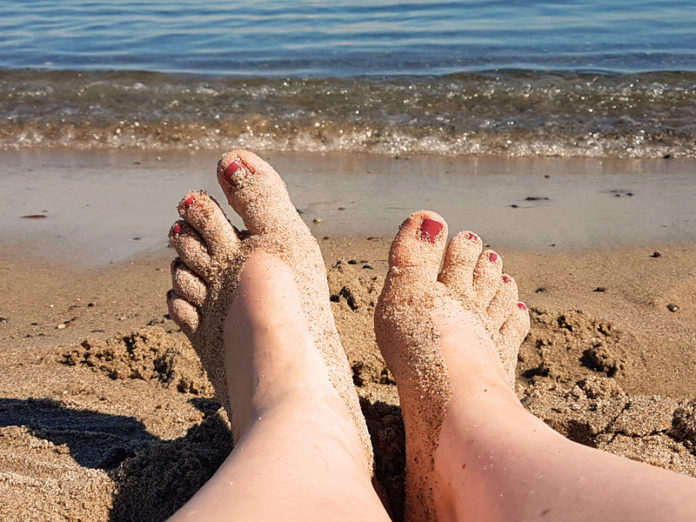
(506, 113)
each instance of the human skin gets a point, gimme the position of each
(256, 308)
(473, 452)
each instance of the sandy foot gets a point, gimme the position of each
(212, 257)
(423, 304)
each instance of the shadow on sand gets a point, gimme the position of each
(153, 477)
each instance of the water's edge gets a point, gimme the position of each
(508, 113)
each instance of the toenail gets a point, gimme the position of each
(170, 294)
(471, 236)
(176, 230)
(506, 278)
(430, 230)
(231, 169)
(493, 257)
(522, 306)
(188, 202)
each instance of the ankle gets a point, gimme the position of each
(320, 414)
(268, 395)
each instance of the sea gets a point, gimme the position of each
(518, 78)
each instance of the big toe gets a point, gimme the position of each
(258, 194)
(418, 247)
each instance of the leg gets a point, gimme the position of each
(256, 309)
(473, 452)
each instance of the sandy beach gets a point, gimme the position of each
(106, 413)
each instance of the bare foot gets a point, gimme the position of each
(436, 327)
(227, 320)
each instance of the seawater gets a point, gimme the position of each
(517, 78)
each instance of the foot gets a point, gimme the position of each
(436, 326)
(234, 297)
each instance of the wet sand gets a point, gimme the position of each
(105, 413)
(102, 207)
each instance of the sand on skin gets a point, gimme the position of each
(111, 417)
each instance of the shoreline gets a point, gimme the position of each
(521, 113)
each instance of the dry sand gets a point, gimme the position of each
(105, 413)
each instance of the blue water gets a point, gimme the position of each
(340, 38)
(517, 78)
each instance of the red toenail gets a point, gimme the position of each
(430, 229)
(507, 278)
(176, 229)
(522, 306)
(493, 257)
(472, 236)
(231, 169)
(189, 202)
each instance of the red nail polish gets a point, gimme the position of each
(522, 306)
(430, 229)
(231, 169)
(506, 278)
(189, 202)
(176, 230)
(493, 257)
(472, 236)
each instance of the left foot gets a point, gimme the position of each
(256, 305)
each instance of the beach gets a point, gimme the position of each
(106, 413)
(563, 135)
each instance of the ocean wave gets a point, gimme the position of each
(514, 113)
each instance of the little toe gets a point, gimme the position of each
(512, 333)
(183, 313)
(516, 326)
(502, 304)
(418, 247)
(190, 248)
(460, 259)
(188, 285)
(487, 278)
(204, 214)
(258, 194)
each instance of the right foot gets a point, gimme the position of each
(435, 327)
(284, 301)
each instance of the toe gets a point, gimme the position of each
(512, 333)
(188, 285)
(258, 194)
(460, 259)
(183, 313)
(487, 278)
(204, 214)
(418, 246)
(190, 248)
(502, 304)
(515, 327)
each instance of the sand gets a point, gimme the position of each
(105, 413)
